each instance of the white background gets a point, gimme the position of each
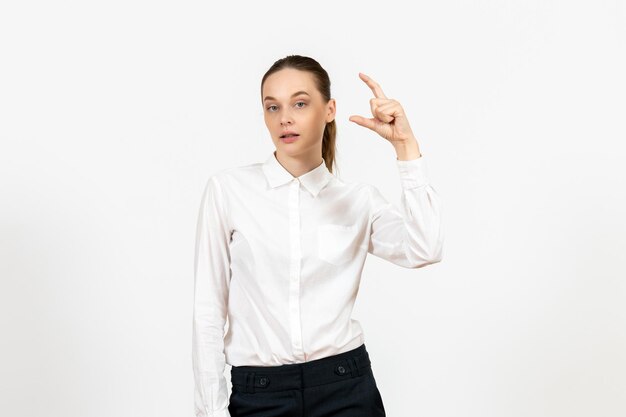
(113, 115)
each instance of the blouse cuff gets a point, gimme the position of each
(413, 172)
(220, 413)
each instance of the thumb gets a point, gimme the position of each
(362, 121)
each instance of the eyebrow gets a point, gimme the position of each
(297, 93)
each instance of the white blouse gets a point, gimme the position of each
(281, 258)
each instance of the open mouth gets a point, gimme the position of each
(289, 135)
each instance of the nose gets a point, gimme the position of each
(286, 119)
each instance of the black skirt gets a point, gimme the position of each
(341, 385)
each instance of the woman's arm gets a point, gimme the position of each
(211, 285)
(412, 235)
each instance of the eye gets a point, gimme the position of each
(299, 102)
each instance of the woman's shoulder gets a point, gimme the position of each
(243, 174)
(352, 184)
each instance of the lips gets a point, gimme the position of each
(288, 134)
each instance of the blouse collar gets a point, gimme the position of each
(314, 180)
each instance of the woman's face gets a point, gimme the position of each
(291, 102)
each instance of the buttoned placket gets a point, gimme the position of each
(294, 270)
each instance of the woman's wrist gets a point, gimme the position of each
(407, 150)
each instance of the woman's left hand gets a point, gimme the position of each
(389, 120)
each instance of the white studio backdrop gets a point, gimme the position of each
(114, 114)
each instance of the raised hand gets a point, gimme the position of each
(389, 120)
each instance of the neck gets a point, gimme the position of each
(300, 164)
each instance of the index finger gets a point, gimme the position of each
(376, 89)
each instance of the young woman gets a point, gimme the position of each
(280, 247)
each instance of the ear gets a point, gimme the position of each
(331, 110)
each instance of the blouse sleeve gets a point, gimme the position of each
(211, 285)
(411, 235)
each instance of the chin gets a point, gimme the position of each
(290, 149)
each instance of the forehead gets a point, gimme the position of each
(284, 83)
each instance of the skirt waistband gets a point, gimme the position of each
(350, 364)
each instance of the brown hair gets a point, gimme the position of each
(322, 82)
